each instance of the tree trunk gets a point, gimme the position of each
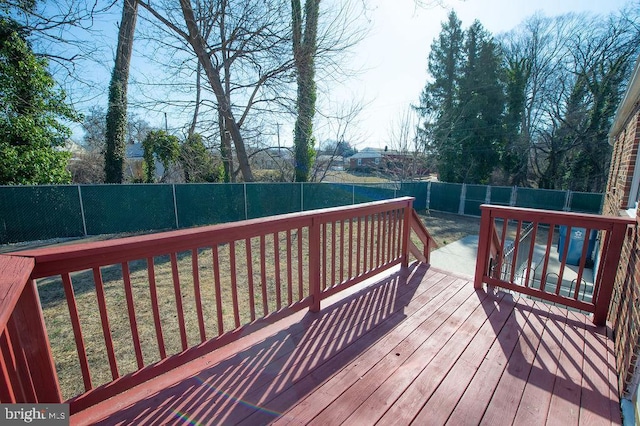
(304, 49)
(116, 129)
(199, 46)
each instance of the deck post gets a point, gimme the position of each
(34, 343)
(314, 264)
(406, 233)
(483, 246)
(608, 275)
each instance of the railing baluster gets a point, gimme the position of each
(218, 288)
(372, 242)
(393, 250)
(178, 295)
(358, 245)
(565, 254)
(300, 267)
(27, 390)
(133, 324)
(195, 268)
(350, 264)
(516, 246)
(365, 244)
(104, 319)
(532, 246)
(263, 275)
(77, 331)
(9, 378)
(276, 266)
(342, 251)
(333, 254)
(155, 307)
(289, 269)
(234, 283)
(252, 296)
(543, 278)
(379, 240)
(582, 263)
(324, 255)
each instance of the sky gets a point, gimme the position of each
(390, 61)
(393, 57)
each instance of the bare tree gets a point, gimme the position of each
(405, 160)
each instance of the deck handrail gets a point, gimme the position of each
(493, 268)
(421, 232)
(292, 262)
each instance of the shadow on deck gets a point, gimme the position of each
(419, 346)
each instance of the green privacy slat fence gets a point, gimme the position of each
(321, 195)
(445, 197)
(541, 198)
(39, 212)
(268, 199)
(475, 196)
(586, 202)
(204, 204)
(30, 213)
(501, 195)
(110, 209)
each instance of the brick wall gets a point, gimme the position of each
(624, 313)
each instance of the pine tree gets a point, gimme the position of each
(439, 99)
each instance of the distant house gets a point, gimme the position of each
(366, 160)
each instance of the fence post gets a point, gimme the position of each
(567, 201)
(314, 264)
(301, 196)
(353, 194)
(84, 220)
(514, 196)
(246, 210)
(487, 197)
(463, 196)
(175, 205)
(428, 202)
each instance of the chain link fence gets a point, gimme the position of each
(30, 213)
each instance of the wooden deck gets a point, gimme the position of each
(421, 346)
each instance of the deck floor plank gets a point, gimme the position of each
(400, 365)
(565, 401)
(403, 342)
(443, 401)
(420, 346)
(536, 398)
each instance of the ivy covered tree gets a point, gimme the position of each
(197, 163)
(161, 146)
(32, 113)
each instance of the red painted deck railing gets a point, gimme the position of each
(122, 311)
(565, 258)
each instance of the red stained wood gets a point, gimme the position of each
(196, 291)
(420, 346)
(252, 298)
(133, 323)
(77, 330)
(104, 319)
(153, 292)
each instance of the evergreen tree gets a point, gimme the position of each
(439, 99)
(479, 130)
(30, 130)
